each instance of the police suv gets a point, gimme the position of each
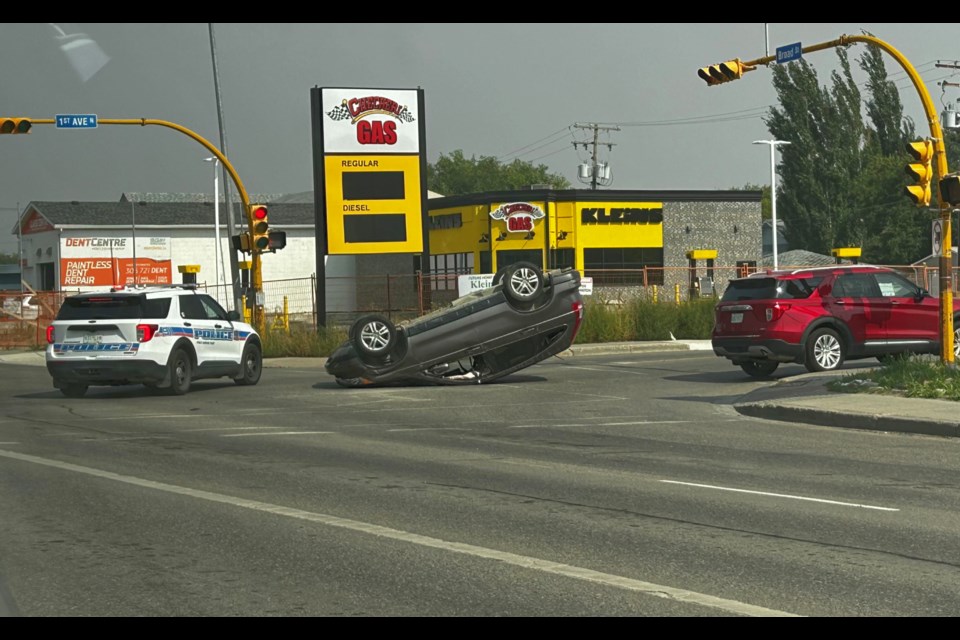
(163, 337)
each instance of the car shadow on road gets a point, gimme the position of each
(125, 391)
(783, 373)
(511, 379)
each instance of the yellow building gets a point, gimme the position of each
(614, 236)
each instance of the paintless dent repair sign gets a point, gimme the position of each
(102, 261)
(370, 121)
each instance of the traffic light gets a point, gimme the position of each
(920, 172)
(240, 242)
(950, 189)
(15, 125)
(278, 240)
(724, 72)
(261, 228)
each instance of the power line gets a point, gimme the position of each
(517, 151)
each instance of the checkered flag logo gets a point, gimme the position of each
(405, 115)
(339, 113)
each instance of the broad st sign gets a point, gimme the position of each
(371, 169)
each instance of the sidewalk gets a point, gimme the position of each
(803, 398)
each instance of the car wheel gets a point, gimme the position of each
(180, 372)
(251, 364)
(759, 368)
(823, 351)
(523, 282)
(374, 336)
(74, 390)
(956, 339)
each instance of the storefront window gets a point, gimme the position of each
(624, 266)
(445, 268)
(507, 257)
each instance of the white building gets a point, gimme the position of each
(82, 246)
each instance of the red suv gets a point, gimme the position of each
(820, 317)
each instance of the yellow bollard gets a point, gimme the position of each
(654, 294)
(676, 293)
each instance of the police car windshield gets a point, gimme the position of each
(108, 307)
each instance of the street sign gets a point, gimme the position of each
(77, 121)
(937, 237)
(789, 52)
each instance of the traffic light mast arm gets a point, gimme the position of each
(259, 319)
(940, 157)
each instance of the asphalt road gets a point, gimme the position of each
(605, 485)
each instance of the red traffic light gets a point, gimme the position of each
(260, 213)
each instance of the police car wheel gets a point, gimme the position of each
(251, 365)
(180, 372)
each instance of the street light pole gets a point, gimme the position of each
(773, 191)
(216, 223)
(133, 230)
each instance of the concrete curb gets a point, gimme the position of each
(845, 419)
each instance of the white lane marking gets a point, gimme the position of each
(782, 495)
(526, 562)
(276, 433)
(9, 443)
(606, 369)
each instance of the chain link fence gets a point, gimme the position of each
(291, 304)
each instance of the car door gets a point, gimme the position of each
(212, 336)
(914, 319)
(854, 298)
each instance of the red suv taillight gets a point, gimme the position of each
(145, 332)
(50, 334)
(776, 311)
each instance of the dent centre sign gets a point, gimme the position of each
(102, 261)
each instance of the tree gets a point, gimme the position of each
(817, 168)
(454, 175)
(9, 258)
(842, 176)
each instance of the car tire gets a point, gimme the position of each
(523, 282)
(181, 371)
(74, 390)
(956, 338)
(374, 337)
(823, 351)
(759, 368)
(251, 365)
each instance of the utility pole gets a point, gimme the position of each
(595, 165)
(228, 200)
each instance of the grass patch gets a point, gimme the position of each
(303, 342)
(909, 376)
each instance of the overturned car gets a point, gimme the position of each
(525, 316)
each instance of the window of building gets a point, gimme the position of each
(505, 258)
(560, 258)
(445, 267)
(624, 266)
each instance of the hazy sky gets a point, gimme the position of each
(504, 90)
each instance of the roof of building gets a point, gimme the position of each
(800, 258)
(165, 214)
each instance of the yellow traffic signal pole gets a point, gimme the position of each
(259, 317)
(734, 69)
